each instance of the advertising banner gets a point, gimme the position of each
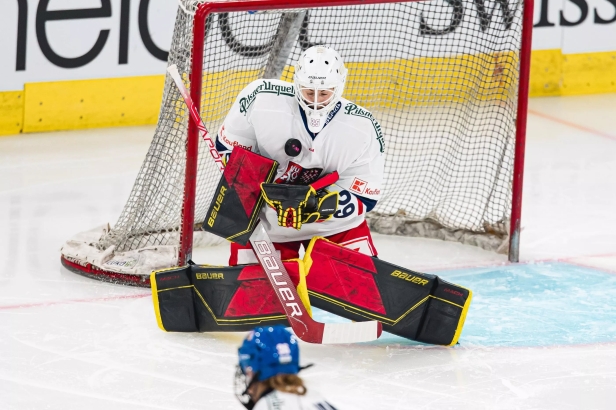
(89, 53)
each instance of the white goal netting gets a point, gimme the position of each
(440, 76)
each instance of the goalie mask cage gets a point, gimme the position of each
(446, 79)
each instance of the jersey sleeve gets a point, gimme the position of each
(363, 178)
(237, 129)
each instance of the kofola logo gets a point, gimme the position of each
(273, 270)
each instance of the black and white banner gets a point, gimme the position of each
(49, 40)
(53, 40)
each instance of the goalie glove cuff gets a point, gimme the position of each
(321, 206)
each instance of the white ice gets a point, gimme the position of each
(67, 342)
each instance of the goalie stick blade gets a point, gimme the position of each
(356, 332)
(303, 325)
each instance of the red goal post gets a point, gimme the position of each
(498, 68)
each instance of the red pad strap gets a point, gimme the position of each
(327, 180)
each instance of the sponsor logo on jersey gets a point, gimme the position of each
(372, 191)
(266, 87)
(358, 186)
(409, 278)
(226, 140)
(295, 174)
(209, 276)
(354, 109)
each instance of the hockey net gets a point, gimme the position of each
(441, 77)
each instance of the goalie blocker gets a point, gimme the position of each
(413, 305)
(234, 210)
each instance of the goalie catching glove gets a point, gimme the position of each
(302, 204)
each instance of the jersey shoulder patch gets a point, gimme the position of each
(355, 110)
(250, 93)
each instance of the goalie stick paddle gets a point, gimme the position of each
(304, 326)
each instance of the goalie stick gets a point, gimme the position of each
(304, 326)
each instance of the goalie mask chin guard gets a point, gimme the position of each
(319, 68)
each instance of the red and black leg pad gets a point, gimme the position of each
(234, 210)
(217, 299)
(413, 305)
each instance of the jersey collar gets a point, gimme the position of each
(331, 115)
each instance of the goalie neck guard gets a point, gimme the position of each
(319, 68)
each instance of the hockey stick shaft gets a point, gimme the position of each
(303, 325)
(194, 114)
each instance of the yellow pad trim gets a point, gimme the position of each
(353, 309)
(159, 320)
(307, 254)
(235, 321)
(366, 314)
(302, 288)
(456, 336)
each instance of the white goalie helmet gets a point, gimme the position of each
(318, 70)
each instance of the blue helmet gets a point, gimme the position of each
(268, 351)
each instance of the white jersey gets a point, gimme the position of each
(266, 115)
(277, 400)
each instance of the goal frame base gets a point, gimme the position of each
(92, 272)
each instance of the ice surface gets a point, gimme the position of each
(539, 335)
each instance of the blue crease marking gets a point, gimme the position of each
(542, 304)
